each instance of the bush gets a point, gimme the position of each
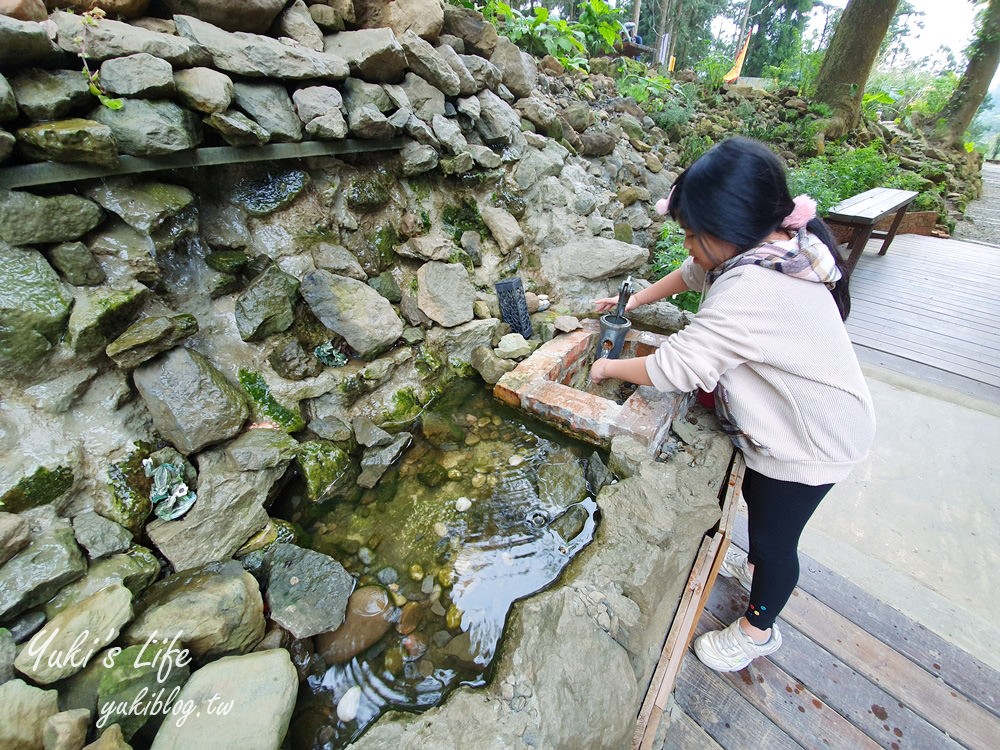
(668, 254)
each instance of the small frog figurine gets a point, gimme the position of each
(170, 496)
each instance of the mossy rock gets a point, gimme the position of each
(33, 310)
(130, 505)
(461, 217)
(41, 488)
(386, 285)
(327, 470)
(510, 202)
(101, 315)
(136, 677)
(265, 407)
(265, 194)
(227, 261)
(367, 193)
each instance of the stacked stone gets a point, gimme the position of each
(136, 310)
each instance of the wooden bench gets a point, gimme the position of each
(862, 212)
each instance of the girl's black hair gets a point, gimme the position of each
(737, 191)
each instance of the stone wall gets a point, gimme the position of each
(245, 323)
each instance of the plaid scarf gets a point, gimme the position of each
(810, 261)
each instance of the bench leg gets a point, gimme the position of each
(857, 246)
(892, 230)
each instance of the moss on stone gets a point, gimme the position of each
(227, 261)
(265, 406)
(41, 488)
(264, 195)
(369, 192)
(463, 217)
(325, 469)
(129, 485)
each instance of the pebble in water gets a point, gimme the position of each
(463, 504)
(454, 618)
(515, 460)
(417, 572)
(440, 529)
(347, 707)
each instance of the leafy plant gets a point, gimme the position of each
(601, 26)
(712, 69)
(691, 147)
(668, 254)
(90, 18)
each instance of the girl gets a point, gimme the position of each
(770, 342)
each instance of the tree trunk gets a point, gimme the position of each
(984, 56)
(636, 7)
(849, 59)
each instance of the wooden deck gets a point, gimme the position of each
(931, 308)
(851, 674)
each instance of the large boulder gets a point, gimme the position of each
(24, 709)
(50, 561)
(246, 15)
(191, 403)
(27, 219)
(101, 314)
(587, 268)
(26, 43)
(296, 23)
(425, 61)
(445, 293)
(142, 127)
(214, 610)
(259, 56)
(259, 690)
(270, 106)
(134, 569)
(144, 205)
(353, 310)
(50, 94)
(141, 75)
(24, 10)
(95, 621)
(106, 38)
(74, 141)
(372, 54)
(234, 483)
(520, 73)
(34, 308)
(469, 25)
(307, 591)
(423, 17)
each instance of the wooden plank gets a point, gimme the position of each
(871, 206)
(790, 705)
(671, 656)
(685, 734)
(963, 719)
(954, 666)
(922, 307)
(919, 354)
(865, 705)
(723, 713)
(984, 358)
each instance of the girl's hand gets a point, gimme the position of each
(606, 303)
(598, 370)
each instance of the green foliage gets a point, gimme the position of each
(461, 217)
(90, 18)
(691, 147)
(799, 70)
(840, 173)
(712, 69)
(668, 254)
(595, 32)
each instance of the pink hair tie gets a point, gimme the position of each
(802, 214)
(663, 205)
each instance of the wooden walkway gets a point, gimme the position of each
(851, 674)
(931, 308)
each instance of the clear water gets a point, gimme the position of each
(527, 512)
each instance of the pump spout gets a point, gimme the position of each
(615, 327)
(624, 294)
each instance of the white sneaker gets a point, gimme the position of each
(735, 565)
(730, 649)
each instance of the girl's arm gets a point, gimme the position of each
(632, 370)
(671, 284)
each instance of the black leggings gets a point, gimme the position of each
(778, 511)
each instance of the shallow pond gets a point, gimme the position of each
(483, 509)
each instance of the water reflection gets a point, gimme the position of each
(483, 511)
